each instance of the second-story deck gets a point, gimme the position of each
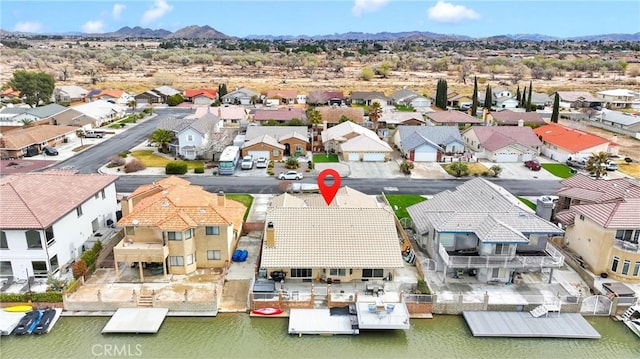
(132, 252)
(627, 246)
(552, 258)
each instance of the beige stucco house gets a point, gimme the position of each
(178, 226)
(602, 220)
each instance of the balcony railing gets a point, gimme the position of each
(140, 252)
(626, 246)
(552, 259)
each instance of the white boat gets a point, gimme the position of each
(631, 318)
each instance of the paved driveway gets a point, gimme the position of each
(374, 169)
(517, 170)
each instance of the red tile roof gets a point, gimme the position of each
(211, 93)
(452, 117)
(39, 199)
(282, 114)
(568, 138)
(288, 94)
(623, 214)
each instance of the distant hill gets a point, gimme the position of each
(609, 37)
(198, 32)
(363, 36)
(139, 32)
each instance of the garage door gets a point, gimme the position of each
(354, 156)
(527, 157)
(258, 154)
(142, 101)
(425, 157)
(374, 156)
(506, 157)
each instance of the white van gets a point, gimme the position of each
(247, 162)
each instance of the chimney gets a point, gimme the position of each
(221, 199)
(271, 235)
(219, 112)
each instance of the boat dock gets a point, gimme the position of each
(9, 321)
(320, 322)
(525, 325)
(136, 320)
(55, 319)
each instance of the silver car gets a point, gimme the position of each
(290, 175)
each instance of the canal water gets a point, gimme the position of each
(240, 336)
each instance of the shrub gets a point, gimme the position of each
(406, 167)
(124, 154)
(46, 297)
(118, 160)
(148, 110)
(198, 170)
(134, 165)
(79, 269)
(270, 172)
(292, 163)
(176, 168)
(309, 165)
(422, 287)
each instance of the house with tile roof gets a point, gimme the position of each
(29, 141)
(110, 95)
(325, 98)
(560, 142)
(602, 223)
(200, 97)
(452, 118)
(332, 115)
(514, 118)
(192, 134)
(18, 116)
(619, 122)
(355, 143)
(276, 142)
(367, 98)
(578, 99)
(281, 115)
(502, 144)
(309, 240)
(102, 111)
(178, 226)
(240, 96)
(282, 97)
(428, 143)
(47, 220)
(69, 93)
(482, 227)
(620, 98)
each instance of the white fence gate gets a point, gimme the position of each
(596, 305)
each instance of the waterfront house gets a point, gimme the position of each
(178, 226)
(352, 239)
(483, 229)
(503, 143)
(561, 143)
(47, 219)
(274, 142)
(428, 143)
(355, 143)
(602, 223)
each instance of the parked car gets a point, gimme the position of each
(93, 134)
(50, 151)
(577, 163)
(533, 165)
(261, 162)
(611, 166)
(290, 175)
(247, 162)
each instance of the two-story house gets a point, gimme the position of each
(483, 229)
(602, 223)
(178, 226)
(619, 98)
(48, 218)
(192, 135)
(275, 142)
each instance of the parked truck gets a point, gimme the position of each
(582, 164)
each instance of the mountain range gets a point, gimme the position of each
(194, 32)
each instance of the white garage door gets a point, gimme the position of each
(506, 157)
(354, 156)
(425, 157)
(527, 156)
(258, 154)
(374, 156)
(142, 101)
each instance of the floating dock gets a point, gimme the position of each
(524, 325)
(320, 322)
(9, 321)
(55, 319)
(136, 320)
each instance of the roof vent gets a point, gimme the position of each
(135, 222)
(165, 204)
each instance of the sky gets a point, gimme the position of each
(475, 18)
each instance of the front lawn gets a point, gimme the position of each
(245, 199)
(558, 169)
(403, 108)
(150, 159)
(323, 158)
(473, 168)
(400, 202)
(630, 169)
(528, 203)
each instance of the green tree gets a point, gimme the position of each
(518, 94)
(315, 118)
(367, 74)
(529, 96)
(488, 97)
(496, 170)
(344, 118)
(459, 168)
(132, 104)
(375, 112)
(597, 164)
(175, 100)
(474, 104)
(384, 69)
(441, 94)
(162, 138)
(556, 109)
(35, 87)
(222, 90)
(521, 103)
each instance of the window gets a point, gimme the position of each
(174, 236)
(189, 259)
(48, 234)
(495, 273)
(212, 230)
(79, 211)
(502, 249)
(624, 234)
(581, 217)
(276, 153)
(299, 148)
(190, 138)
(39, 268)
(340, 272)
(372, 273)
(301, 272)
(187, 234)
(130, 230)
(53, 264)
(636, 269)
(176, 261)
(614, 265)
(3, 240)
(625, 266)
(33, 240)
(5, 269)
(96, 195)
(103, 194)
(213, 255)
(636, 237)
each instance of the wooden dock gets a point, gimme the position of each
(136, 320)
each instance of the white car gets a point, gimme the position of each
(261, 162)
(290, 175)
(247, 162)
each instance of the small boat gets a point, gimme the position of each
(45, 321)
(267, 311)
(24, 325)
(18, 308)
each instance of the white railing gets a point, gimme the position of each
(626, 246)
(554, 259)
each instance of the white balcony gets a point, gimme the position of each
(552, 259)
(626, 246)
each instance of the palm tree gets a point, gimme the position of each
(162, 138)
(597, 164)
(459, 168)
(27, 122)
(132, 104)
(375, 112)
(496, 170)
(315, 118)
